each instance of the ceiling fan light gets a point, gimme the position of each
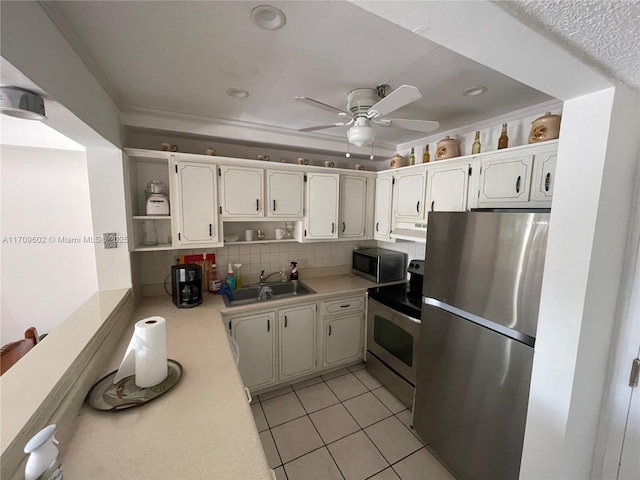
(361, 135)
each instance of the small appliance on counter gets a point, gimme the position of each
(157, 201)
(186, 285)
(379, 265)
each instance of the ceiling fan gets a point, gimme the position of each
(371, 105)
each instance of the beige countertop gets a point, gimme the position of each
(203, 427)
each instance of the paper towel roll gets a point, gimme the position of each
(146, 355)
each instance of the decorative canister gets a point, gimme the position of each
(447, 148)
(545, 128)
(397, 161)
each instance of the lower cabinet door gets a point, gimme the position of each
(343, 339)
(297, 335)
(255, 337)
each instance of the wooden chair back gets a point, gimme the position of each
(14, 351)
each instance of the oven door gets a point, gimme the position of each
(394, 338)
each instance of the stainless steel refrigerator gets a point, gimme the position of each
(483, 273)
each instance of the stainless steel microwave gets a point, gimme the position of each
(379, 265)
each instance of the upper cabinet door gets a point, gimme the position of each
(285, 194)
(409, 195)
(322, 205)
(242, 192)
(353, 198)
(447, 188)
(505, 179)
(544, 172)
(382, 224)
(197, 204)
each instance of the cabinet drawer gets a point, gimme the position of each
(337, 307)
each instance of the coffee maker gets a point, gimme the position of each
(186, 285)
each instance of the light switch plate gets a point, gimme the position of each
(110, 240)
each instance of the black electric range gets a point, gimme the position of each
(403, 297)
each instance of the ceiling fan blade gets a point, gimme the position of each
(401, 96)
(323, 106)
(322, 127)
(415, 125)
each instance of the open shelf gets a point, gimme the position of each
(152, 217)
(266, 240)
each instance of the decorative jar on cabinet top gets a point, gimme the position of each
(447, 148)
(545, 128)
(397, 161)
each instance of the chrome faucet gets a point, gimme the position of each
(263, 279)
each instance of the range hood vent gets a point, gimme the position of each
(21, 103)
(412, 232)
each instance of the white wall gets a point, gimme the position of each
(592, 205)
(45, 194)
(235, 149)
(35, 47)
(106, 188)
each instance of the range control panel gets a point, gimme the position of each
(416, 266)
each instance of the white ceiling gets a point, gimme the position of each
(604, 34)
(181, 57)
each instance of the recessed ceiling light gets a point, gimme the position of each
(474, 91)
(21, 103)
(268, 17)
(237, 93)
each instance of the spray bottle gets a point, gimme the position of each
(231, 279)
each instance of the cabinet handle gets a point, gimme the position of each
(285, 321)
(257, 204)
(418, 206)
(377, 226)
(329, 330)
(518, 184)
(547, 182)
(274, 205)
(433, 205)
(345, 306)
(210, 230)
(333, 227)
(246, 390)
(268, 325)
(343, 227)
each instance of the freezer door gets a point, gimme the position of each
(471, 399)
(488, 263)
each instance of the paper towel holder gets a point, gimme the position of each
(112, 397)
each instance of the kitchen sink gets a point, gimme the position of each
(260, 293)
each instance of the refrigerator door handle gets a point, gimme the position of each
(496, 327)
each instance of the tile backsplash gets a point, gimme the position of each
(152, 268)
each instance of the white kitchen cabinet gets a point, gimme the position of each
(142, 167)
(285, 194)
(242, 192)
(408, 195)
(255, 336)
(505, 179)
(544, 170)
(383, 199)
(297, 340)
(353, 206)
(196, 211)
(343, 330)
(447, 187)
(321, 221)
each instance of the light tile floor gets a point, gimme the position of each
(342, 425)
